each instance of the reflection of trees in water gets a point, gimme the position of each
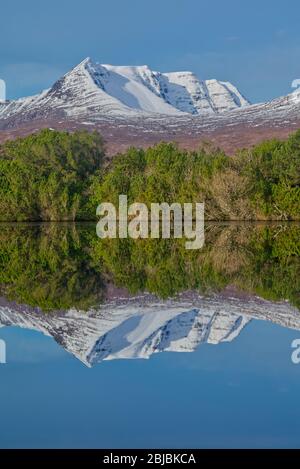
(259, 259)
(59, 266)
(48, 266)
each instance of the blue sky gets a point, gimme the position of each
(256, 44)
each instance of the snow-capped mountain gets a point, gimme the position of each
(186, 92)
(141, 326)
(133, 105)
(100, 90)
(179, 91)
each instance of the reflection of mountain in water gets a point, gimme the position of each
(138, 327)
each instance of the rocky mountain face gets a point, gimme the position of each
(141, 326)
(135, 105)
(92, 89)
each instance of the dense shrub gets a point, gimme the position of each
(46, 176)
(60, 266)
(262, 183)
(60, 176)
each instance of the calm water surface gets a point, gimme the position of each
(141, 344)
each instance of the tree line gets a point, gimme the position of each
(57, 266)
(61, 176)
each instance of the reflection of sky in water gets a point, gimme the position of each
(243, 393)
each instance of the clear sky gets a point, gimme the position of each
(256, 44)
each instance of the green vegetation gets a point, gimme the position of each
(262, 183)
(259, 259)
(60, 266)
(47, 176)
(49, 266)
(272, 170)
(57, 176)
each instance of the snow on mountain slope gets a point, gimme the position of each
(186, 92)
(133, 105)
(189, 94)
(78, 93)
(138, 87)
(224, 96)
(103, 91)
(22, 105)
(81, 92)
(169, 93)
(141, 326)
(156, 332)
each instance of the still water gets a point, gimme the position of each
(122, 343)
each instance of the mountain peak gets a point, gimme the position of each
(85, 61)
(139, 88)
(141, 328)
(98, 90)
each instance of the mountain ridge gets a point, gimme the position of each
(139, 327)
(133, 105)
(119, 89)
